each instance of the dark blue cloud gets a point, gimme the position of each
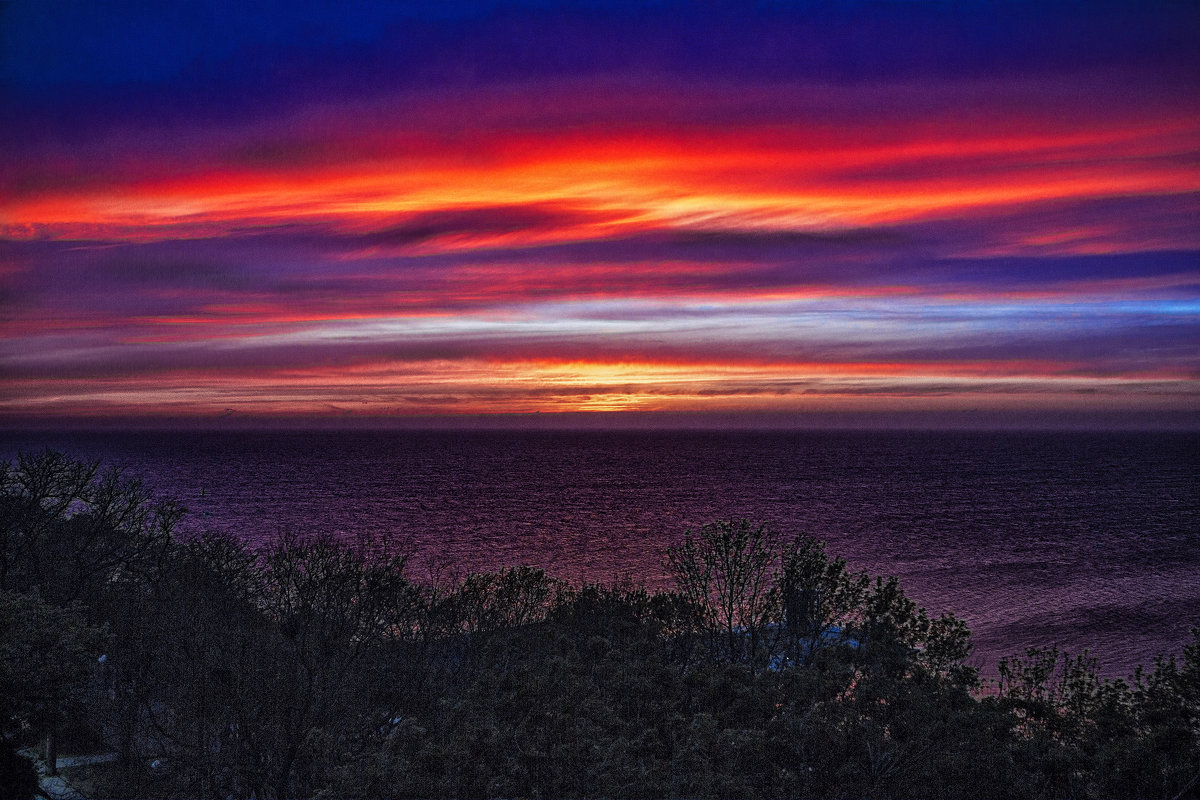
(74, 69)
(80, 43)
(47, 44)
(1016, 272)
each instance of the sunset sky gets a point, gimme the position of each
(437, 211)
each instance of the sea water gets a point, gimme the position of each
(1082, 540)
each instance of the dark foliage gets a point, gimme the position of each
(18, 775)
(313, 669)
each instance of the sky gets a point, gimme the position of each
(787, 212)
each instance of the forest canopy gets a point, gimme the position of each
(318, 668)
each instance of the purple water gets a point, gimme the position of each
(1085, 540)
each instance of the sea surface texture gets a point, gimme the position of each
(1084, 540)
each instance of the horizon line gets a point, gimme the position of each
(1181, 421)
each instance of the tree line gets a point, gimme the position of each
(314, 668)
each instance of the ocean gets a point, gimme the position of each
(1078, 539)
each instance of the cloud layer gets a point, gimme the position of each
(498, 208)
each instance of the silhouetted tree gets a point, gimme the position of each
(313, 668)
(68, 530)
(729, 570)
(46, 653)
